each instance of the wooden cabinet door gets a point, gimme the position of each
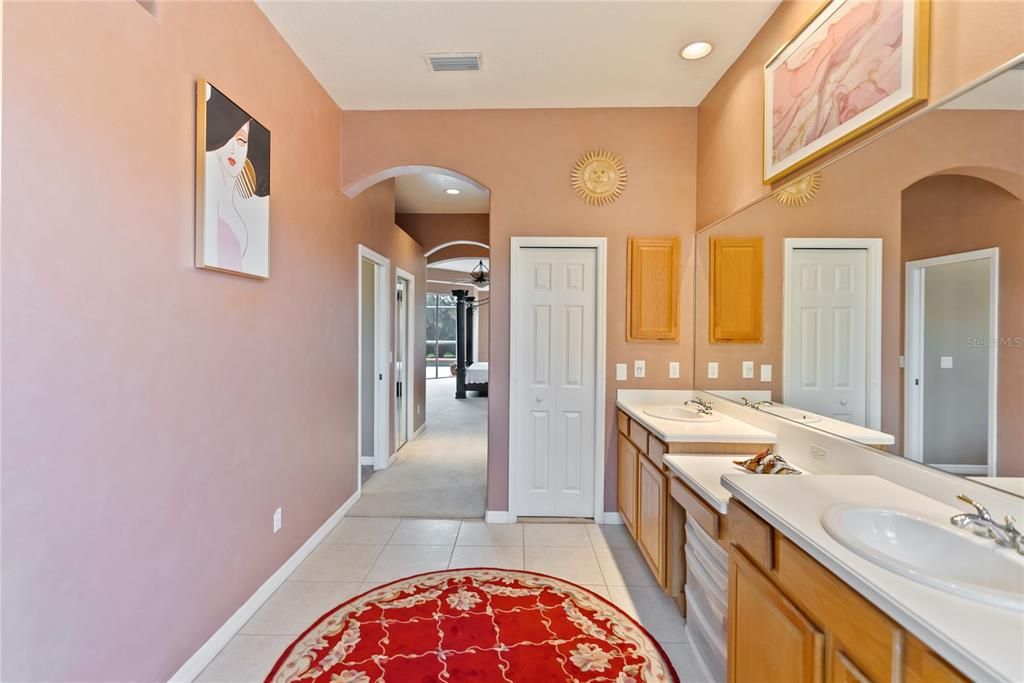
(651, 518)
(652, 282)
(628, 463)
(770, 640)
(842, 670)
(737, 278)
(922, 665)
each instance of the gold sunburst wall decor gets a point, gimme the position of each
(801, 191)
(599, 177)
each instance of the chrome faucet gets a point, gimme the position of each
(759, 404)
(982, 524)
(703, 407)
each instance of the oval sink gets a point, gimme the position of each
(950, 560)
(794, 414)
(680, 414)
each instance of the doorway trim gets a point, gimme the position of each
(913, 397)
(410, 346)
(600, 244)
(873, 362)
(382, 319)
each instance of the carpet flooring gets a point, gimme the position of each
(442, 474)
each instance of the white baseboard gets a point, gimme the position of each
(205, 654)
(498, 517)
(366, 461)
(609, 518)
(418, 432)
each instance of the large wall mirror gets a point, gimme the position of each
(889, 307)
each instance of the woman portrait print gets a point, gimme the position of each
(237, 183)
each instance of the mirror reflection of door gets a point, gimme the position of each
(402, 379)
(826, 363)
(950, 357)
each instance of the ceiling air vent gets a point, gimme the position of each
(453, 61)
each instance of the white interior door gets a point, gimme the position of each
(402, 352)
(555, 345)
(826, 365)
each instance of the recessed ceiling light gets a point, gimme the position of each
(452, 190)
(697, 50)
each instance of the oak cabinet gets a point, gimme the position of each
(627, 470)
(769, 638)
(651, 517)
(736, 283)
(652, 283)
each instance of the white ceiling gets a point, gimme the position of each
(1005, 91)
(461, 265)
(425, 193)
(368, 54)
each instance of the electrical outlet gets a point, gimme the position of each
(945, 362)
(712, 370)
(818, 452)
(766, 373)
(621, 372)
(277, 520)
(639, 368)
(418, 406)
(748, 369)
(673, 370)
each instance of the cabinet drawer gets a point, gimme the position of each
(656, 451)
(623, 421)
(638, 435)
(863, 639)
(696, 509)
(750, 533)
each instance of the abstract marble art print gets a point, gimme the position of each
(854, 65)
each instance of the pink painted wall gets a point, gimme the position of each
(155, 415)
(969, 38)
(524, 158)
(434, 229)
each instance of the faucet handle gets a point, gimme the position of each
(982, 511)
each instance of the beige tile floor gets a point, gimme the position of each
(363, 552)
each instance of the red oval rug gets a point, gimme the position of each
(475, 625)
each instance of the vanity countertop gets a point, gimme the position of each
(984, 642)
(724, 430)
(703, 474)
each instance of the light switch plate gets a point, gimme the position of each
(766, 373)
(712, 370)
(639, 368)
(620, 372)
(673, 370)
(748, 369)
(277, 520)
(903, 361)
(945, 362)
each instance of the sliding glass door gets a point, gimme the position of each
(440, 334)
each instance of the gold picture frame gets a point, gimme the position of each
(913, 87)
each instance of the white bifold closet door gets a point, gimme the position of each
(556, 351)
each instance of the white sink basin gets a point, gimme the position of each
(948, 559)
(794, 414)
(680, 414)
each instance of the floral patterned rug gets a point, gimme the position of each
(475, 625)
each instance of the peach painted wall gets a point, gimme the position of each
(969, 38)
(434, 229)
(524, 158)
(154, 414)
(459, 251)
(860, 197)
(952, 214)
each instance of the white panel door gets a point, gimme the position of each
(556, 353)
(826, 367)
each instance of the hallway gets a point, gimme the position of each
(442, 474)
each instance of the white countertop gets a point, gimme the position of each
(703, 474)
(725, 430)
(847, 430)
(1014, 485)
(983, 642)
